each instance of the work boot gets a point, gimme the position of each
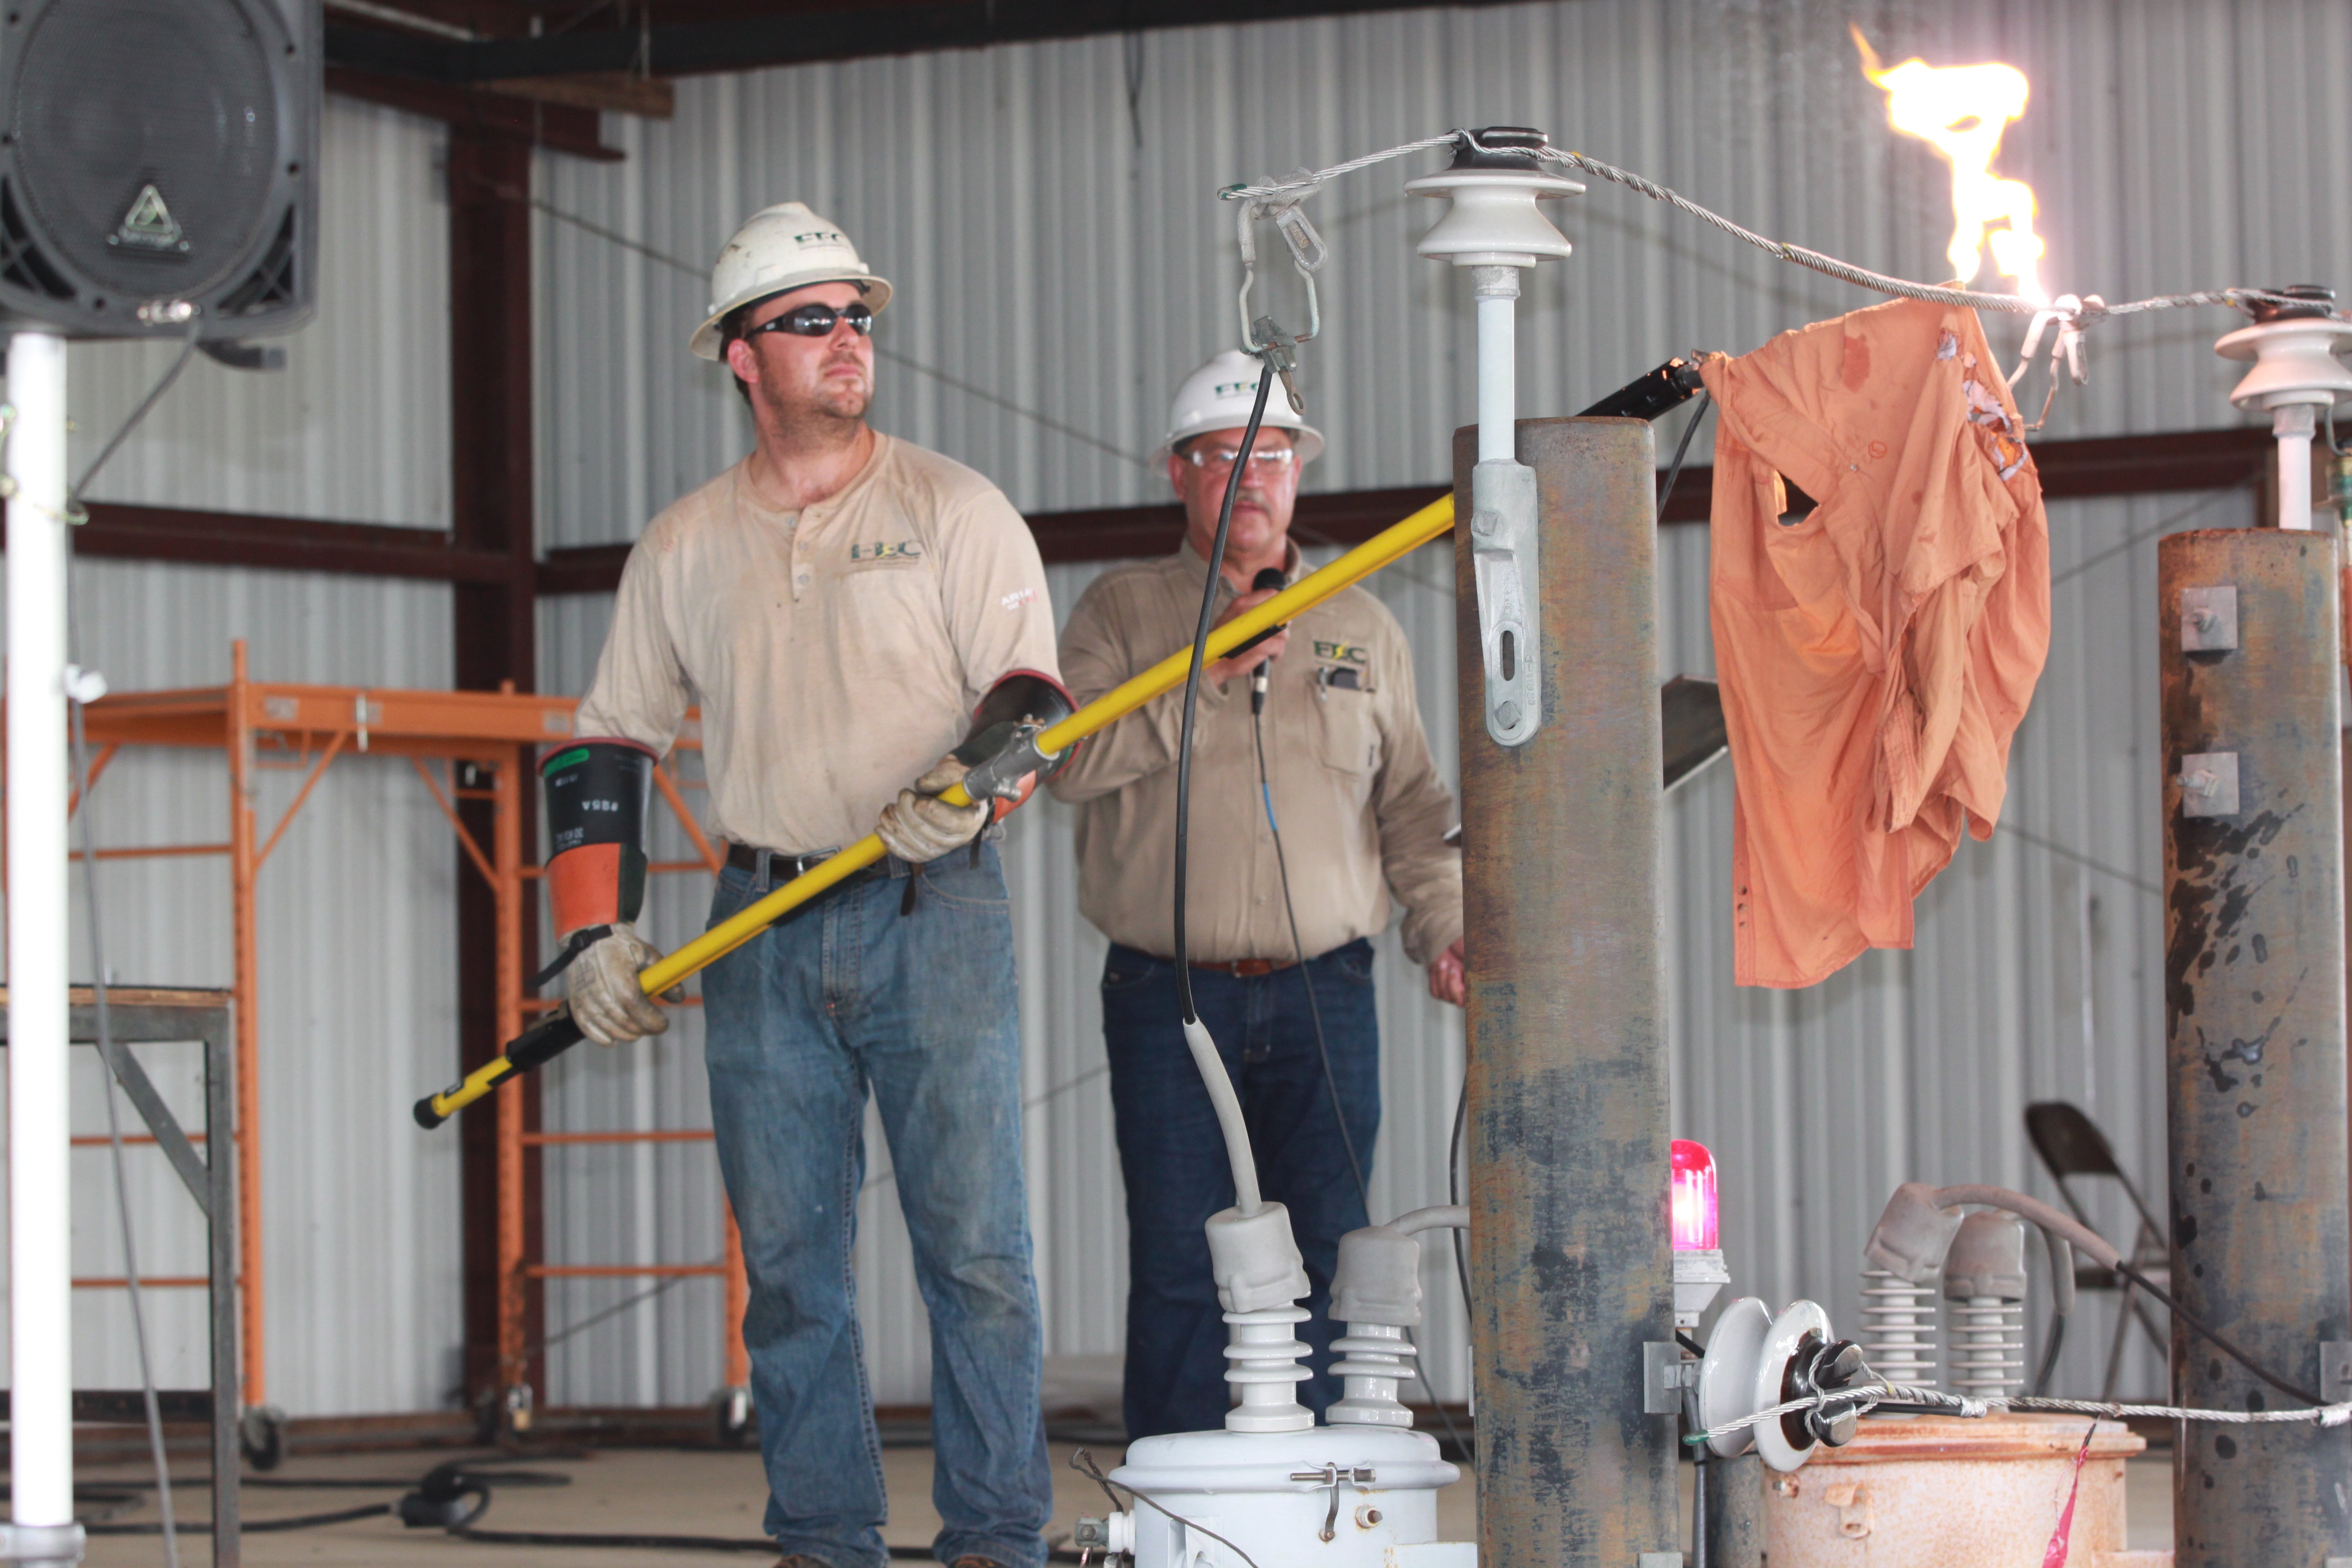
(802, 1560)
(974, 1560)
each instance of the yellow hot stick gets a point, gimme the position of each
(1390, 545)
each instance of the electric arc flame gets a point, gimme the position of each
(1961, 110)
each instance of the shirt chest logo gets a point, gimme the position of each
(1342, 652)
(905, 550)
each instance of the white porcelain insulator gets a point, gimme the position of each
(1263, 1360)
(1377, 1357)
(1988, 1346)
(1898, 1328)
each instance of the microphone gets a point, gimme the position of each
(1267, 577)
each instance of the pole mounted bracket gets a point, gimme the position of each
(1665, 1373)
(2335, 1371)
(1503, 555)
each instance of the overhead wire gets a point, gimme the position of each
(1297, 187)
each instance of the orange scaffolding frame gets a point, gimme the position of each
(263, 725)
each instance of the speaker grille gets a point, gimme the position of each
(146, 136)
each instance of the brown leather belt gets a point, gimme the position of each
(1245, 968)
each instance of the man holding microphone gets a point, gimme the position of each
(1315, 803)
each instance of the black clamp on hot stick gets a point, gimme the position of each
(542, 1043)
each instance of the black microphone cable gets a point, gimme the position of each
(1269, 579)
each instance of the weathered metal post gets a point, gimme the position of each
(1734, 1516)
(2255, 1017)
(1570, 1268)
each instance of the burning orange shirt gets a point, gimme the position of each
(1877, 653)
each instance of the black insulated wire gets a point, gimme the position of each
(2199, 1324)
(122, 431)
(1192, 683)
(1682, 450)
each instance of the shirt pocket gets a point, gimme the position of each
(1347, 734)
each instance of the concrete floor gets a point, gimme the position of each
(676, 1491)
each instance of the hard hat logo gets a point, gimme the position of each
(1218, 396)
(777, 250)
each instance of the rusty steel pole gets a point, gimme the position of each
(2254, 1019)
(1570, 1268)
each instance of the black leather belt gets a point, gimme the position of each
(778, 867)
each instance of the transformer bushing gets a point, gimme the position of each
(2254, 1020)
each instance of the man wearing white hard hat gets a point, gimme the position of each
(1349, 781)
(855, 615)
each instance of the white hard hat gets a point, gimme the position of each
(779, 249)
(1218, 396)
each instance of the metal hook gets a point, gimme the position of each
(1307, 255)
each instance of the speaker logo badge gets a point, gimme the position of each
(149, 225)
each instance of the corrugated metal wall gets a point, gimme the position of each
(357, 905)
(1046, 214)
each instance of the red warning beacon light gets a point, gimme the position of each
(1691, 1202)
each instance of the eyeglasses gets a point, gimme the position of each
(1269, 460)
(818, 320)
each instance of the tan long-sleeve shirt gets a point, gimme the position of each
(1362, 811)
(837, 652)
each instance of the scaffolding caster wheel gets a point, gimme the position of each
(261, 1435)
(730, 1417)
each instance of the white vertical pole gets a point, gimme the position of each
(2293, 425)
(40, 1263)
(1499, 366)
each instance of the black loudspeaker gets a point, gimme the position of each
(155, 152)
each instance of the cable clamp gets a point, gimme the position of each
(42, 1543)
(999, 775)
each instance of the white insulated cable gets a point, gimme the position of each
(1438, 1216)
(1211, 1066)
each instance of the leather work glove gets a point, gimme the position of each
(607, 1003)
(919, 828)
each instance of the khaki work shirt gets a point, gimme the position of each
(1363, 813)
(838, 653)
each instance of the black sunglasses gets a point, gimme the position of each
(818, 320)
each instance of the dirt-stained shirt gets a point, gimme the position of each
(1877, 653)
(837, 652)
(1362, 811)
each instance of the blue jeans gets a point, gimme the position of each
(921, 1009)
(1174, 1162)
